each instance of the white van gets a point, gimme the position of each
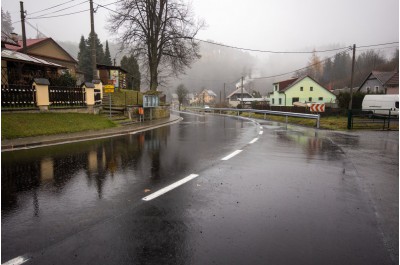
(381, 104)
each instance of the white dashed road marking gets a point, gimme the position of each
(170, 187)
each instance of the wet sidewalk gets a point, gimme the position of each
(37, 141)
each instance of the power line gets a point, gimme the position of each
(57, 11)
(269, 51)
(51, 7)
(278, 75)
(374, 45)
(62, 15)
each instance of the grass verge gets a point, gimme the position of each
(329, 123)
(18, 125)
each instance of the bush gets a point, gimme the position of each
(344, 99)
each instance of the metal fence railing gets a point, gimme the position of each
(66, 96)
(18, 96)
(373, 119)
(265, 112)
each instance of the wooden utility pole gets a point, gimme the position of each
(349, 114)
(224, 93)
(241, 97)
(93, 44)
(21, 4)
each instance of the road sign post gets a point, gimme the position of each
(109, 89)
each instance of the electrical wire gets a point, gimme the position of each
(294, 71)
(52, 7)
(62, 15)
(57, 11)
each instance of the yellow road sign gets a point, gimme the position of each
(108, 89)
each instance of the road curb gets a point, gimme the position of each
(96, 135)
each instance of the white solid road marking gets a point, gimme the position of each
(16, 261)
(261, 132)
(170, 187)
(232, 155)
(253, 141)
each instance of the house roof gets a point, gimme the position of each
(293, 82)
(393, 81)
(385, 78)
(6, 39)
(31, 43)
(9, 55)
(283, 85)
(210, 92)
(110, 67)
(238, 91)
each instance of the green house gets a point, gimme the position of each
(303, 89)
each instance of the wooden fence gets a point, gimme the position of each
(18, 96)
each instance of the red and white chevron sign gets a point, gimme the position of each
(317, 107)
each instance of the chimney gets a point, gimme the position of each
(14, 36)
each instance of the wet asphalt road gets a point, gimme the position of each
(293, 196)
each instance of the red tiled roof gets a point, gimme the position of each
(29, 42)
(394, 81)
(284, 84)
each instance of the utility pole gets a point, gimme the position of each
(241, 98)
(93, 48)
(21, 4)
(220, 97)
(224, 93)
(349, 114)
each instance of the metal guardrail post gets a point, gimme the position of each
(319, 116)
(286, 118)
(390, 111)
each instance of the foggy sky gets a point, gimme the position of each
(256, 24)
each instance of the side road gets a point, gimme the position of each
(37, 141)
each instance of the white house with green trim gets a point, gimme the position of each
(303, 89)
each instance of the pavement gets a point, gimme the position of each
(45, 140)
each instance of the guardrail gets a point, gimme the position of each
(265, 112)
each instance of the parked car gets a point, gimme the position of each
(381, 104)
(207, 108)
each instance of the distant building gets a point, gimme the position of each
(303, 89)
(236, 96)
(381, 83)
(207, 96)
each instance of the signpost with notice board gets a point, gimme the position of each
(109, 89)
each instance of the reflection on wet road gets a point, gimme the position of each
(292, 190)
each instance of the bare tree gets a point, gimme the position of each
(161, 34)
(182, 92)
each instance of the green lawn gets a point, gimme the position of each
(17, 125)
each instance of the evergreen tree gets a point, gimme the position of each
(6, 24)
(131, 65)
(107, 55)
(99, 48)
(84, 60)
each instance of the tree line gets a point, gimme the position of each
(334, 73)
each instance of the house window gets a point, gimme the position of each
(310, 99)
(320, 98)
(368, 89)
(376, 89)
(295, 100)
(311, 88)
(301, 88)
(276, 87)
(280, 101)
(273, 101)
